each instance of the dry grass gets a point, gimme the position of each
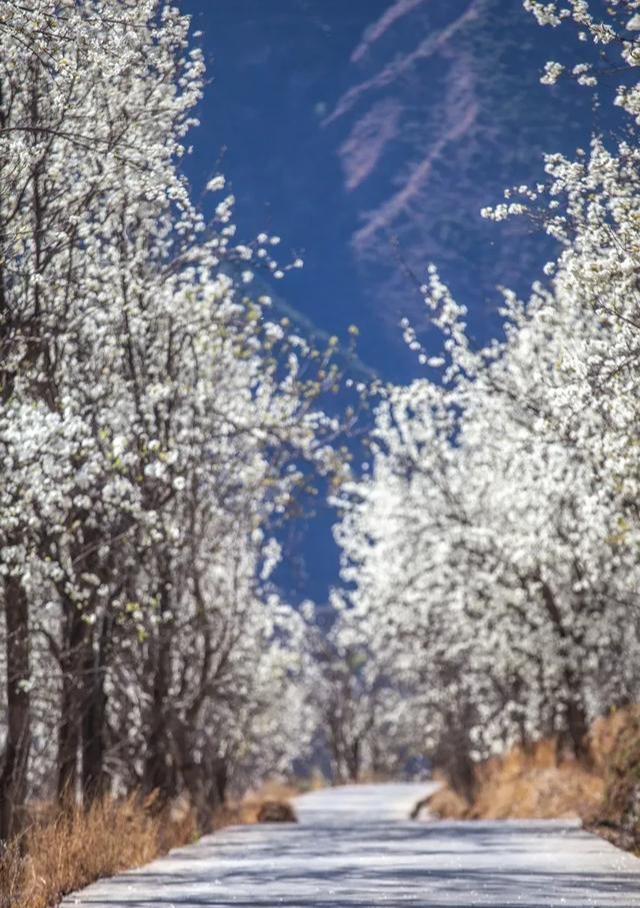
(537, 782)
(61, 852)
(619, 818)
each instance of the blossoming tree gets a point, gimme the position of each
(492, 547)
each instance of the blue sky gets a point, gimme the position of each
(368, 135)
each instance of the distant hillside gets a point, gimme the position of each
(440, 116)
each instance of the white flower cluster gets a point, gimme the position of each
(552, 72)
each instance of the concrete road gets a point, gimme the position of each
(354, 846)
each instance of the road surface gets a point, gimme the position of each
(354, 846)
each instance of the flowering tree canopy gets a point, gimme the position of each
(154, 423)
(491, 551)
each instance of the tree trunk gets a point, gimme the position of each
(71, 707)
(160, 770)
(68, 737)
(353, 760)
(13, 780)
(221, 780)
(577, 723)
(94, 744)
